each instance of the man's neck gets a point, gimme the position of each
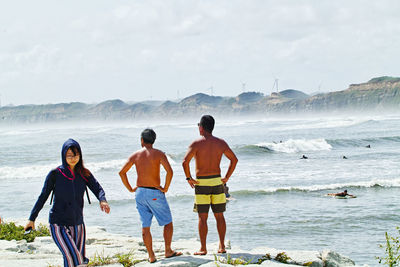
(147, 146)
(206, 134)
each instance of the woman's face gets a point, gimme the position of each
(72, 159)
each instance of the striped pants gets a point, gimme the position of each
(71, 242)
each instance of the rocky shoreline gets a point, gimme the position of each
(43, 252)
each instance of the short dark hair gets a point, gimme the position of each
(148, 136)
(207, 122)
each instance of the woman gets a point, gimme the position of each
(68, 183)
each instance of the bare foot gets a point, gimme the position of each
(201, 252)
(221, 250)
(152, 260)
(173, 254)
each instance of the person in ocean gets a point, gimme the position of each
(208, 185)
(150, 195)
(304, 157)
(68, 182)
(341, 194)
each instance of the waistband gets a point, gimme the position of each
(209, 176)
(149, 187)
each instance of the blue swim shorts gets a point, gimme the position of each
(149, 202)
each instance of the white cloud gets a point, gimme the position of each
(71, 50)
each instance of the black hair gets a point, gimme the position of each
(79, 166)
(148, 136)
(207, 122)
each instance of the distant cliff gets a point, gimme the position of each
(382, 93)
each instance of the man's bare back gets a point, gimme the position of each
(208, 151)
(208, 185)
(147, 162)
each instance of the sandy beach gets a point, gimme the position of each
(43, 252)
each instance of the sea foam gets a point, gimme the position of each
(297, 145)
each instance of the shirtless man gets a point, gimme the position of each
(150, 195)
(209, 189)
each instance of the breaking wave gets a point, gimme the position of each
(296, 145)
(35, 171)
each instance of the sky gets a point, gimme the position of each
(95, 50)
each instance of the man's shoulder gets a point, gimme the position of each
(197, 141)
(158, 152)
(219, 141)
(136, 154)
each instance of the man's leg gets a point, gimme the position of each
(203, 230)
(221, 227)
(168, 231)
(148, 242)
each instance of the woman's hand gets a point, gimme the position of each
(105, 207)
(30, 224)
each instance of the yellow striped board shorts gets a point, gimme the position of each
(209, 192)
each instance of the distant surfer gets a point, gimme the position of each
(344, 157)
(341, 194)
(368, 146)
(304, 157)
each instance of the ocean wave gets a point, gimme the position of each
(358, 142)
(296, 145)
(237, 194)
(105, 165)
(22, 132)
(30, 171)
(35, 171)
(384, 183)
(251, 149)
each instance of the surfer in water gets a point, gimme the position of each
(341, 194)
(304, 157)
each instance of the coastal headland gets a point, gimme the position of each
(377, 95)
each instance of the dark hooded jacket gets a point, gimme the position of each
(69, 189)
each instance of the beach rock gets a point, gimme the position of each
(334, 259)
(43, 252)
(276, 264)
(305, 258)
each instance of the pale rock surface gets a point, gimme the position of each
(43, 252)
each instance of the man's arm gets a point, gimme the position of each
(233, 161)
(185, 164)
(168, 177)
(124, 177)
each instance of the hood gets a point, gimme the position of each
(69, 143)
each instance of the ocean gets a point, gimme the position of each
(279, 200)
